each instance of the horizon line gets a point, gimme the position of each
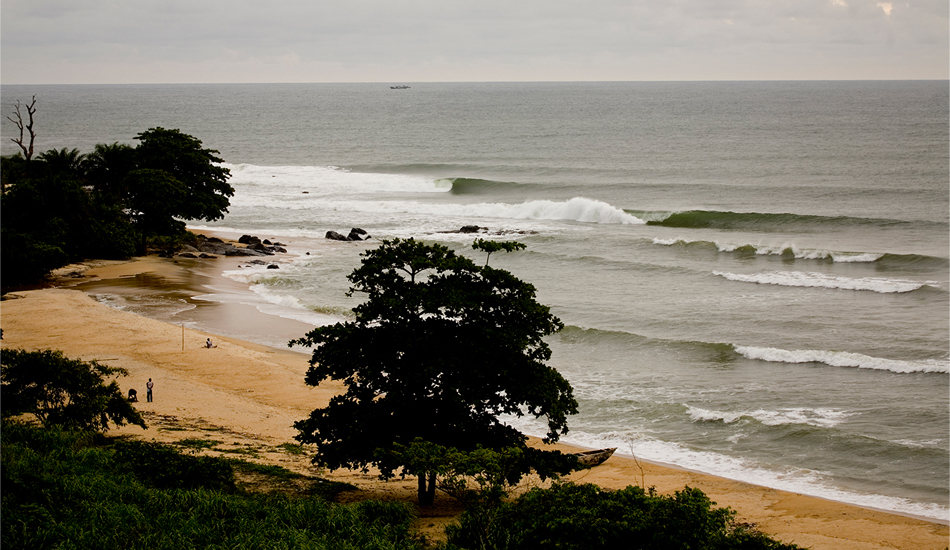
(386, 82)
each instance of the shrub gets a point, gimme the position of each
(162, 467)
(585, 517)
(62, 391)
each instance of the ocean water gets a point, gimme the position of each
(753, 276)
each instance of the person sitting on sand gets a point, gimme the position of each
(133, 396)
(208, 344)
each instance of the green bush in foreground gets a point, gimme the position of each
(585, 517)
(59, 491)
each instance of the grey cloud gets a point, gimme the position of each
(423, 35)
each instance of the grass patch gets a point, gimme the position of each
(292, 448)
(253, 453)
(198, 444)
(266, 477)
(277, 472)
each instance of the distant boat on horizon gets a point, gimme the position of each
(399, 87)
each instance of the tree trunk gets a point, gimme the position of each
(430, 493)
(427, 493)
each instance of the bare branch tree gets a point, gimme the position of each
(30, 109)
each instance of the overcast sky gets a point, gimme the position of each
(184, 41)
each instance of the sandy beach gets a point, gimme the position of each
(246, 396)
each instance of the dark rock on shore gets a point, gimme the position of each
(220, 248)
(356, 234)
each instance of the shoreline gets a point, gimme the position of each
(255, 411)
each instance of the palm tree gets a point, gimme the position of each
(107, 168)
(63, 162)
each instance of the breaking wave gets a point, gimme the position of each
(842, 359)
(822, 417)
(820, 280)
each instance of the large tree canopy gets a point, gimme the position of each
(438, 351)
(183, 158)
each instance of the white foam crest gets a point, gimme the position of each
(576, 209)
(848, 257)
(842, 359)
(822, 417)
(925, 444)
(781, 250)
(820, 280)
(704, 415)
(320, 179)
(804, 481)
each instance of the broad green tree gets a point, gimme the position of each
(63, 392)
(438, 352)
(157, 198)
(185, 160)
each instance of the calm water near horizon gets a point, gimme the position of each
(753, 276)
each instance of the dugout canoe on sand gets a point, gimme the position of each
(595, 457)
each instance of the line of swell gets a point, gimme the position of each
(915, 261)
(764, 222)
(727, 352)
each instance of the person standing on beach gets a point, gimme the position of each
(148, 393)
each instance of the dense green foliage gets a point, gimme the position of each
(479, 475)
(66, 489)
(48, 219)
(63, 392)
(585, 517)
(63, 206)
(438, 351)
(162, 467)
(182, 159)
